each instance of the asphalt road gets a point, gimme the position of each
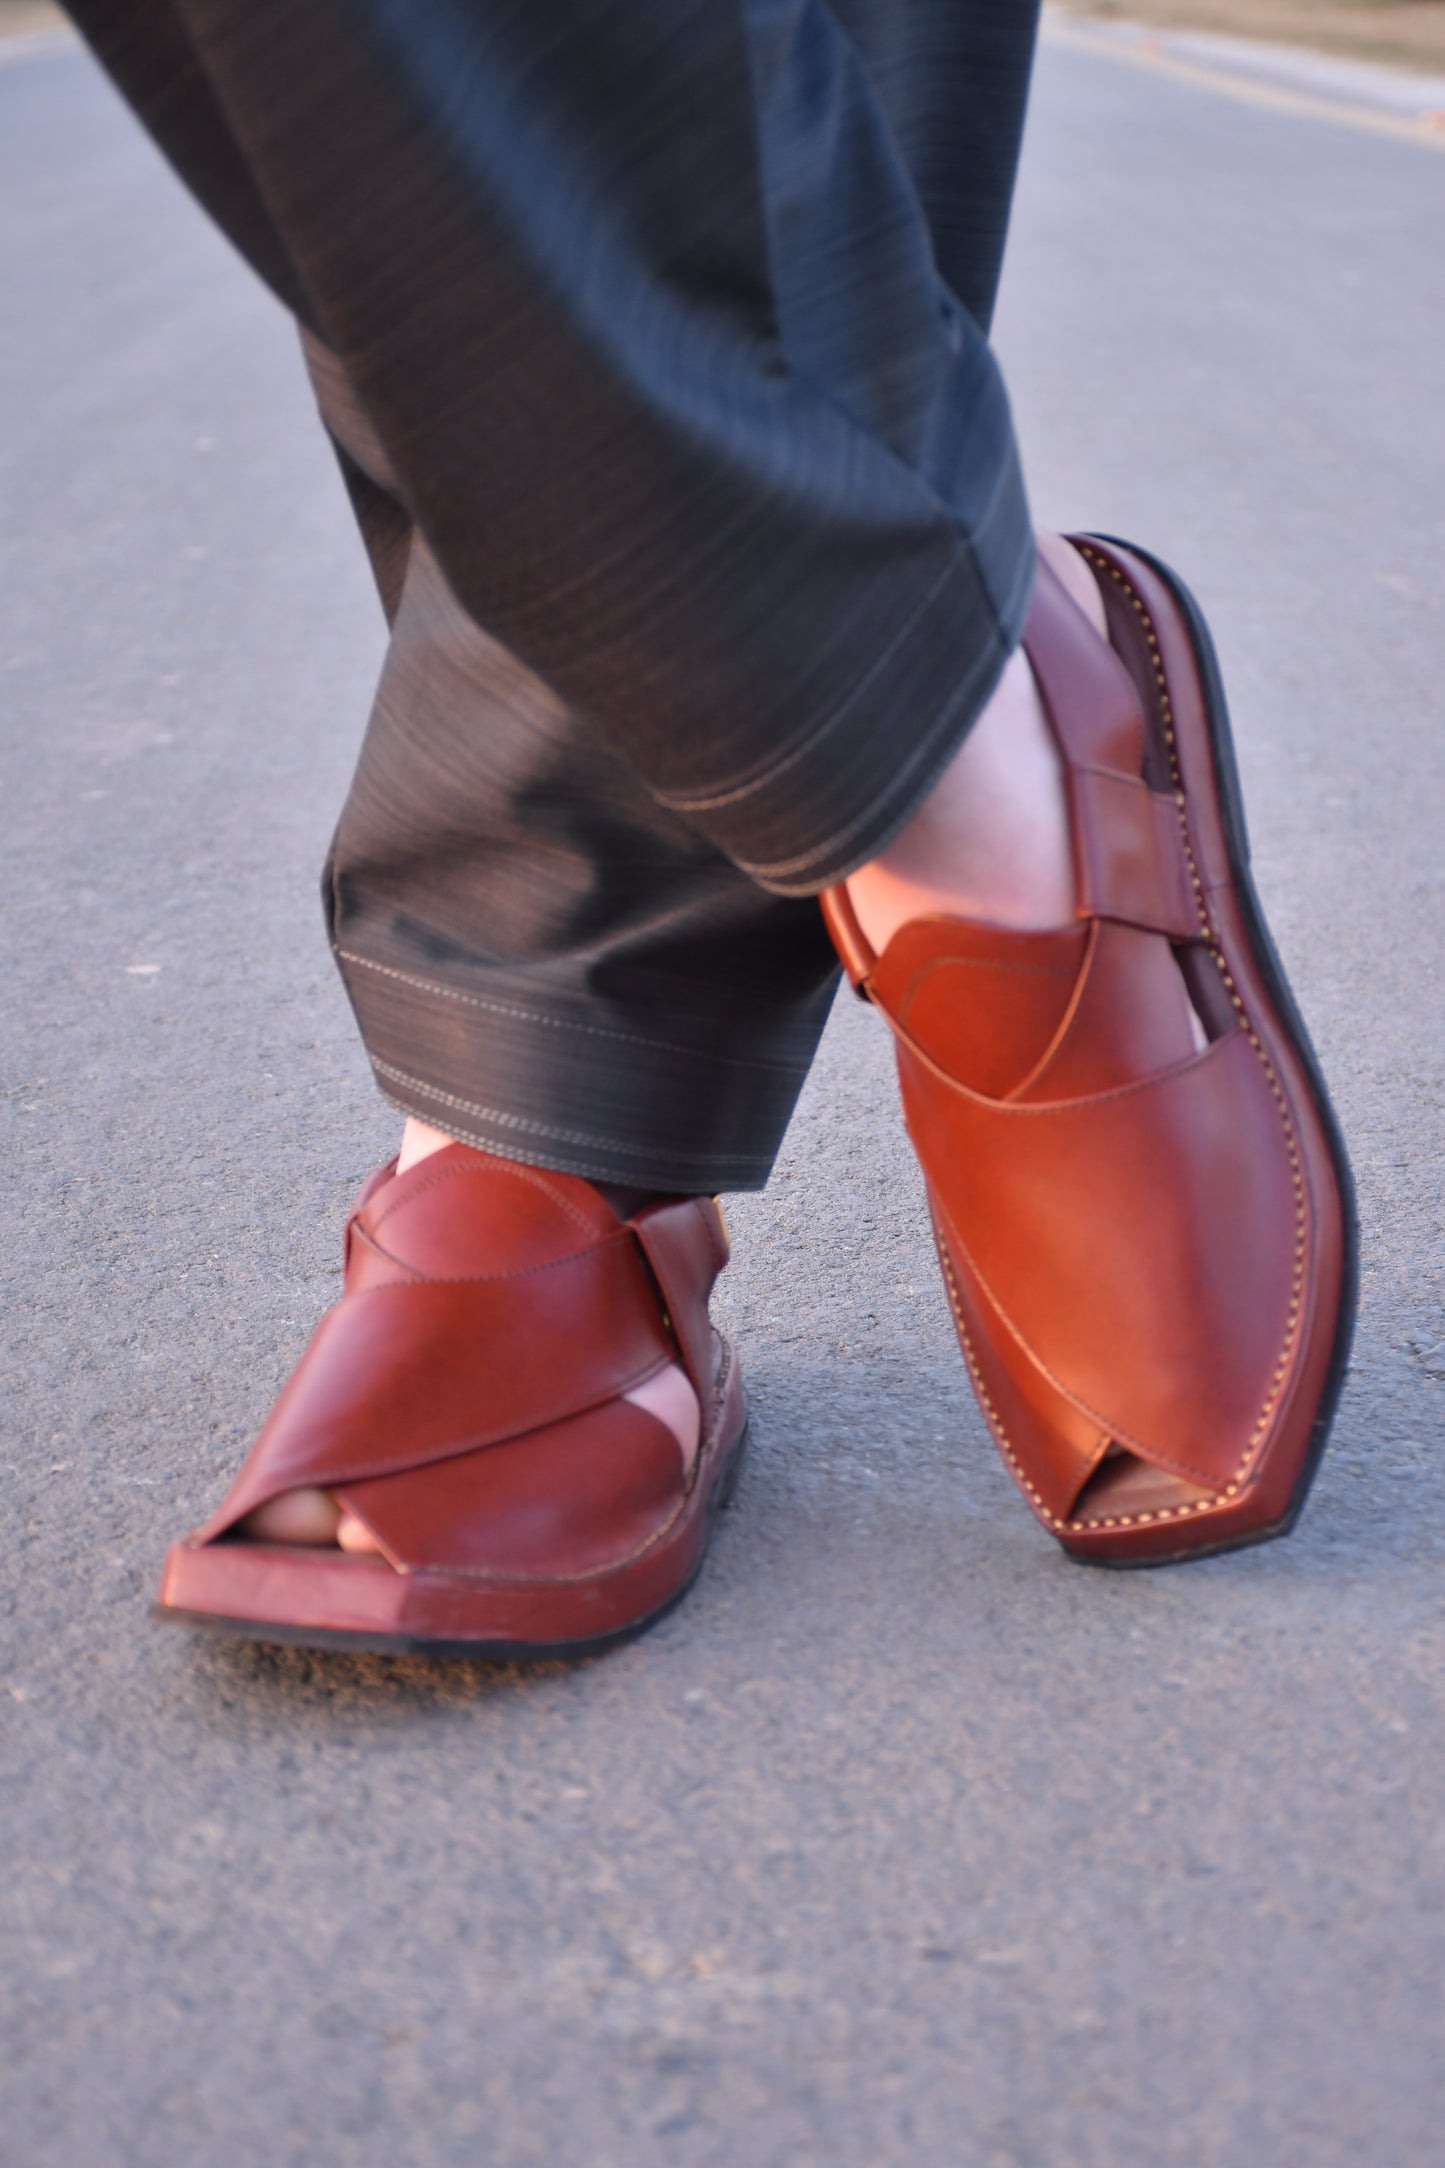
(904, 1841)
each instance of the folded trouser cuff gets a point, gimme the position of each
(541, 1083)
(831, 802)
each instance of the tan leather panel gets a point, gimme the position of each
(985, 1002)
(568, 1498)
(1150, 635)
(1128, 1021)
(855, 951)
(1064, 1445)
(457, 1217)
(1092, 702)
(1073, 1216)
(397, 1377)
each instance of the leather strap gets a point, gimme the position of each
(1129, 860)
(854, 949)
(687, 1247)
(401, 1375)
(1129, 857)
(1091, 701)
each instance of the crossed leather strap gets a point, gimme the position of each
(407, 1372)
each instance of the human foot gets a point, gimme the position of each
(311, 1516)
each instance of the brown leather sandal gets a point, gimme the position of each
(1149, 1251)
(464, 1402)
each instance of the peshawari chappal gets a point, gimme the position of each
(1149, 1249)
(466, 1403)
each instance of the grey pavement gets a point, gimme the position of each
(904, 1840)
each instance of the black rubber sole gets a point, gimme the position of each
(1266, 956)
(277, 1634)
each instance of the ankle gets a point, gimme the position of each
(992, 840)
(419, 1141)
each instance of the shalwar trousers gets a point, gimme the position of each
(653, 342)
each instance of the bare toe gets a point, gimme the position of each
(298, 1516)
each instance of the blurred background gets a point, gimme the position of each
(1410, 33)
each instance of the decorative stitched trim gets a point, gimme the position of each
(545, 1129)
(556, 1023)
(484, 1279)
(1293, 1320)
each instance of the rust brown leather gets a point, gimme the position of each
(464, 1402)
(1146, 1247)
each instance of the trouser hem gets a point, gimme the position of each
(537, 1144)
(864, 773)
(553, 1086)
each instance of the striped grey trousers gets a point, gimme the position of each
(652, 339)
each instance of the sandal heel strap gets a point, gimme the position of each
(686, 1244)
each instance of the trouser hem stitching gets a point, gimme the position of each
(705, 1058)
(582, 1137)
